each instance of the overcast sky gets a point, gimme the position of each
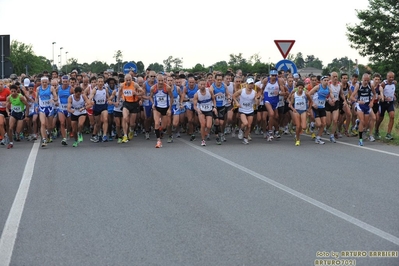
(202, 32)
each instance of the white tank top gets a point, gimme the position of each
(205, 103)
(246, 102)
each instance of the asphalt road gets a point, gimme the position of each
(258, 204)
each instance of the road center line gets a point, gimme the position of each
(324, 207)
(10, 231)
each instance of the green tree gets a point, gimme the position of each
(220, 66)
(23, 58)
(377, 36)
(198, 68)
(156, 67)
(168, 63)
(312, 61)
(98, 66)
(299, 61)
(140, 67)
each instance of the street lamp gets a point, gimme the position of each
(66, 62)
(61, 58)
(53, 57)
(59, 61)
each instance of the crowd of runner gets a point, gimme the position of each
(112, 106)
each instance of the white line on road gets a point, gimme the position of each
(360, 147)
(10, 231)
(325, 207)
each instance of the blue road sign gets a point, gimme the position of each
(286, 65)
(129, 66)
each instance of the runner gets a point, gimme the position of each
(64, 91)
(332, 105)
(150, 81)
(222, 95)
(319, 111)
(46, 98)
(387, 104)
(100, 110)
(77, 107)
(204, 104)
(188, 95)
(245, 105)
(131, 93)
(17, 103)
(364, 96)
(161, 97)
(300, 103)
(4, 93)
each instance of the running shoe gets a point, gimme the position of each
(124, 139)
(389, 137)
(80, 137)
(75, 144)
(240, 134)
(360, 142)
(119, 140)
(170, 139)
(147, 135)
(245, 141)
(319, 141)
(218, 142)
(313, 135)
(9, 146)
(332, 139)
(203, 143)
(371, 138)
(94, 139)
(192, 137)
(159, 144)
(105, 138)
(63, 142)
(297, 143)
(131, 134)
(44, 143)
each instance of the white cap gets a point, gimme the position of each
(250, 80)
(296, 76)
(26, 82)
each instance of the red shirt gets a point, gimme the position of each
(3, 98)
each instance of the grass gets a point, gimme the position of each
(395, 129)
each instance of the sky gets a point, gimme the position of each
(203, 32)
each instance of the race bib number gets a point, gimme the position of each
(46, 103)
(335, 95)
(17, 109)
(300, 104)
(321, 103)
(2, 104)
(365, 99)
(206, 107)
(247, 104)
(64, 106)
(100, 101)
(220, 98)
(161, 99)
(176, 101)
(128, 92)
(272, 93)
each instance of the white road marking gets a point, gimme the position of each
(10, 231)
(357, 146)
(324, 207)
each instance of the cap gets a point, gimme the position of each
(324, 77)
(31, 85)
(26, 82)
(250, 80)
(65, 77)
(273, 72)
(296, 76)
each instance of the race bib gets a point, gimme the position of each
(176, 101)
(206, 106)
(247, 104)
(64, 106)
(220, 98)
(46, 103)
(365, 99)
(321, 103)
(17, 109)
(335, 95)
(100, 101)
(127, 92)
(300, 104)
(2, 104)
(161, 99)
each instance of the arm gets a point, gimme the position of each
(213, 101)
(354, 94)
(195, 102)
(170, 93)
(235, 96)
(69, 107)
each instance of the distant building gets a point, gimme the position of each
(305, 72)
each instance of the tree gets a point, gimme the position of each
(254, 59)
(156, 67)
(140, 67)
(220, 66)
(98, 66)
(312, 61)
(168, 63)
(24, 59)
(198, 68)
(299, 61)
(118, 58)
(377, 36)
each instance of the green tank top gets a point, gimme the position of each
(16, 104)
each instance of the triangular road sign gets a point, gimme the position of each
(284, 46)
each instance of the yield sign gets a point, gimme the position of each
(284, 46)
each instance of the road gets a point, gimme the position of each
(266, 203)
